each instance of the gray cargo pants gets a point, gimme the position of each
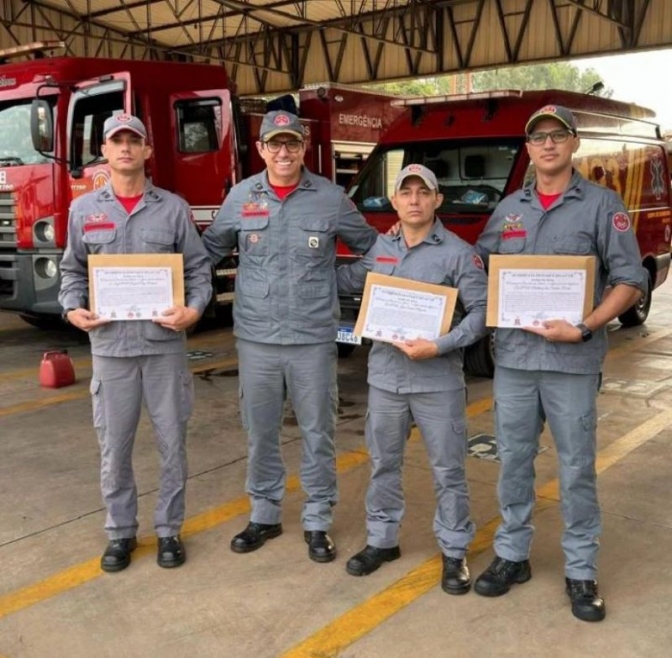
(118, 387)
(308, 373)
(440, 416)
(524, 399)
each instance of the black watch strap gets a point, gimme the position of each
(586, 334)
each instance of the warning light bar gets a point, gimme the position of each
(451, 98)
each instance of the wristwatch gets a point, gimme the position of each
(586, 334)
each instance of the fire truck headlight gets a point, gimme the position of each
(44, 232)
(46, 268)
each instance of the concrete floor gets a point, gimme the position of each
(55, 602)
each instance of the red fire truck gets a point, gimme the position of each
(474, 143)
(51, 115)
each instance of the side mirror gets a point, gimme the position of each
(42, 126)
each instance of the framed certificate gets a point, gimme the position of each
(525, 291)
(396, 309)
(135, 286)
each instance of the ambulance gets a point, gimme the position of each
(475, 144)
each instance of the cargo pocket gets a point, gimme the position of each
(186, 395)
(241, 407)
(97, 403)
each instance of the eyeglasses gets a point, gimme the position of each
(292, 146)
(557, 137)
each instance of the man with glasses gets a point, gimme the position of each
(284, 223)
(552, 372)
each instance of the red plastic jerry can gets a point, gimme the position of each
(56, 369)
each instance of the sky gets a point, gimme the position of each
(641, 78)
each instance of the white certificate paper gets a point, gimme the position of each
(397, 314)
(528, 297)
(132, 293)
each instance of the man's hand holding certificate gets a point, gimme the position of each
(546, 295)
(410, 314)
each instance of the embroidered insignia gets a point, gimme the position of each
(414, 168)
(253, 238)
(621, 221)
(478, 261)
(100, 179)
(393, 260)
(282, 120)
(123, 118)
(313, 242)
(99, 226)
(513, 218)
(509, 235)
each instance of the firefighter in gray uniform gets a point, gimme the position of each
(284, 223)
(420, 380)
(552, 372)
(139, 359)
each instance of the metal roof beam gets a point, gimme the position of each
(618, 12)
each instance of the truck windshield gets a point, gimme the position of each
(472, 175)
(16, 145)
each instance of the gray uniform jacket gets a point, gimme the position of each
(586, 219)
(444, 259)
(159, 224)
(286, 280)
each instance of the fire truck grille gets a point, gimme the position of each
(7, 221)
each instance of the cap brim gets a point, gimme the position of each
(282, 131)
(114, 131)
(427, 182)
(534, 121)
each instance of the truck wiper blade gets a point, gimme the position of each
(10, 160)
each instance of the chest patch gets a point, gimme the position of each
(98, 222)
(391, 260)
(255, 210)
(314, 242)
(253, 238)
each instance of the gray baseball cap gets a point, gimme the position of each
(557, 112)
(420, 171)
(120, 122)
(280, 123)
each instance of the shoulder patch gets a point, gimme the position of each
(478, 261)
(621, 221)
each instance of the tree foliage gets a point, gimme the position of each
(555, 75)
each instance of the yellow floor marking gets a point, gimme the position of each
(361, 620)
(82, 390)
(84, 572)
(84, 363)
(357, 622)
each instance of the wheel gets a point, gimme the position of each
(479, 359)
(44, 322)
(345, 350)
(637, 314)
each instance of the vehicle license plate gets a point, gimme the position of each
(346, 335)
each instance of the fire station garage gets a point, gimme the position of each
(200, 72)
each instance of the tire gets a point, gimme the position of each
(44, 322)
(345, 350)
(637, 314)
(479, 359)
